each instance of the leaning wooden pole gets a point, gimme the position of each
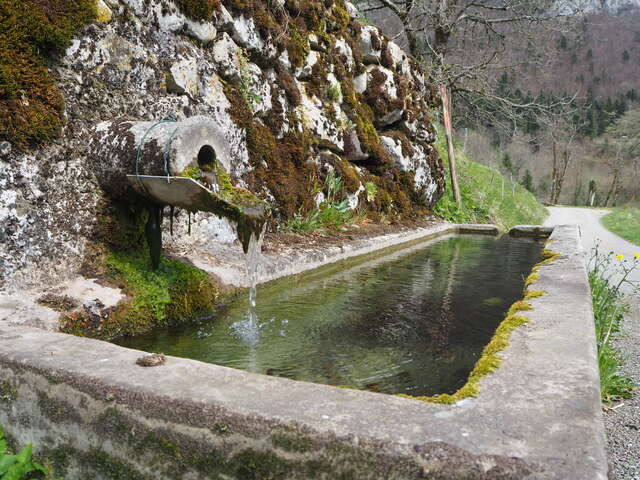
(448, 128)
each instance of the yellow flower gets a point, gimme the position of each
(636, 256)
(619, 256)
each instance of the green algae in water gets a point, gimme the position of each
(412, 322)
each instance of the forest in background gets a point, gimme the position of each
(582, 149)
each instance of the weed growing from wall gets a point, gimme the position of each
(331, 214)
(20, 466)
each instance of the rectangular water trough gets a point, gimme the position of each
(87, 406)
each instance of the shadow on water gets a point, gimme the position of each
(413, 322)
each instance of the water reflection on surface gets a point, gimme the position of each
(411, 322)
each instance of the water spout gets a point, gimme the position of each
(184, 164)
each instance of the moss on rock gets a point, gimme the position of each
(31, 33)
(8, 392)
(198, 9)
(175, 292)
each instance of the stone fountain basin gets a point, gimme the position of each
(538, 416)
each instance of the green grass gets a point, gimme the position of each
(606, 276)
(624, 222)
(487, 196)
(20, 466)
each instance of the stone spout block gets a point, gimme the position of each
(184, 164)
(162, 148)
(240, 206)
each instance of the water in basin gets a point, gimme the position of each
(413, 321)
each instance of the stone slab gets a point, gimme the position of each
(534, 231)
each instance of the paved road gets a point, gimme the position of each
(623, 421)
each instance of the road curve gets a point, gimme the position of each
(623, 422)
(593, 231)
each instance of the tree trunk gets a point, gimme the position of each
(554, 176)
(448, 127)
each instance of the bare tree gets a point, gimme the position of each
(562, 131)
(622, 141)
(441, 34)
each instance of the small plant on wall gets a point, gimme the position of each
(20, 466)
(331, 214)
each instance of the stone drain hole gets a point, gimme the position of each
(207, 158)
(207, 163)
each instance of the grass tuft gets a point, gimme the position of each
(606, 277)
(331, 214)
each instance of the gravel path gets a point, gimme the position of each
(622, 421)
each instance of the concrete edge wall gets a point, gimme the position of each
(87, 406)
(302, 259)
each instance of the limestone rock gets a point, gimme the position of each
(245, 33)
(351, 9)
(383, 96)
(226, 55)
(223, 19)
(304, 73)
(5, 148)
(416, 161)
(360, 82)
(352, 147)
(205, 32)
(103, 12)
(345, 53)
(183, 77)
(370, 44)
(315, 119)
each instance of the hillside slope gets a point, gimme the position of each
(487, 196)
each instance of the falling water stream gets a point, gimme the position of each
(248, 329)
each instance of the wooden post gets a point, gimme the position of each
(448, 127)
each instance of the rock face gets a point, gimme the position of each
(288, 84)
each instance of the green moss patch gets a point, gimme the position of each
(32, 32)
(531, 294)
(173, 293)
(198, 9)
(8, 393)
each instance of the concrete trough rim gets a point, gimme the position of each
(547, 415)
